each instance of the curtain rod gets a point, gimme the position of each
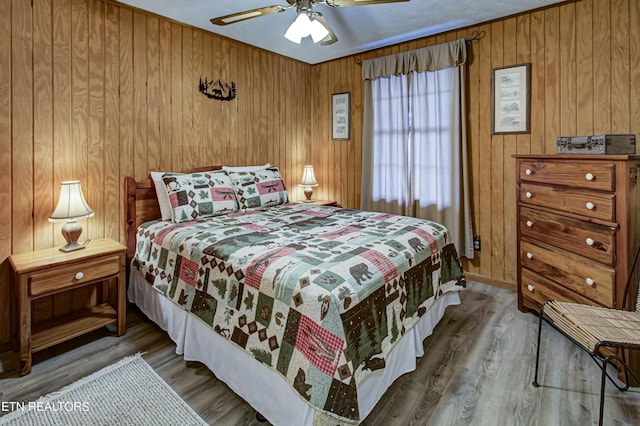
(476, 35)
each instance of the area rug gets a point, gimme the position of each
(126, 393)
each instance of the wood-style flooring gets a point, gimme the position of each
(477, 369)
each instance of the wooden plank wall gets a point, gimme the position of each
(94, 91)
(585, 58)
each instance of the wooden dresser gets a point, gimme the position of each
(578, 227)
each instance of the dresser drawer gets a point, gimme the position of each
(41, 283)
(586, 203)
(578, 174)
(580, 275)
(587, 239)
(533, 287)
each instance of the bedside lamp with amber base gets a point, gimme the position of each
(71, 207)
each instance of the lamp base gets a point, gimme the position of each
(71, 247)
(71, 232)
(308, 192)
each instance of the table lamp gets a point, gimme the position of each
(308, 181)
(71, 207)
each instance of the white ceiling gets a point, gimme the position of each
(358, 28)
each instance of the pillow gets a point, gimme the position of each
(199, 195)
(161, 193)
(260, 188)
(245, 168)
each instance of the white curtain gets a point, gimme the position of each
(390, 160)
(414, 141)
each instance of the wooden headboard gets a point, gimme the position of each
(141, 205)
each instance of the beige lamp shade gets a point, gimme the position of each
(71, 204)
(308, 178)
(308, 181)
(71, 207)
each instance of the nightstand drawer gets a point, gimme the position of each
(72, 275)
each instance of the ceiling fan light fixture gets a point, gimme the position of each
(298, 29)
(318, 31)
(303, 26)
(292, 35)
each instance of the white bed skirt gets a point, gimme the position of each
(265, 389)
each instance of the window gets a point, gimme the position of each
(414, 156)
(416, 133)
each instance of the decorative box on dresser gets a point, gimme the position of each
(578, 226)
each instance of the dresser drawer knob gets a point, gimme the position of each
(590, 205)
(528, 172)
(589, 282)
(530, 288)
(530, 224)
(528, 194)
(529, 255)
(79, 275)
(590, 241)
(589, 176)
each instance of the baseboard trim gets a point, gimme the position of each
(491, 281)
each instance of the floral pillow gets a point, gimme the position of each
(199, 195)
(260, 188)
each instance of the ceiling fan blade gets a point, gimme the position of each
(248, 14)
(331, 37)
(341, 3)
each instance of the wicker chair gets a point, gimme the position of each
(601, 332)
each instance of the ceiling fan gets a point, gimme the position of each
(307, 23)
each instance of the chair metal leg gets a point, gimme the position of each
(535, 378)
(626, 373)
(599, 360)
(603, 382)
(623, 361)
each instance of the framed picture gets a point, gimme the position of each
(511, 99)
(340, 116)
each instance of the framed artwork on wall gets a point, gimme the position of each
(511, 100)
(341, 116)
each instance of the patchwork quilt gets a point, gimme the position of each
(319, 294)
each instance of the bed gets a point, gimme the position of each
(309, 313)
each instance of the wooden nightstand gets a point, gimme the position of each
(44, 273)
(321, 203)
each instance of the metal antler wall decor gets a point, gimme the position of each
(217, 89)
